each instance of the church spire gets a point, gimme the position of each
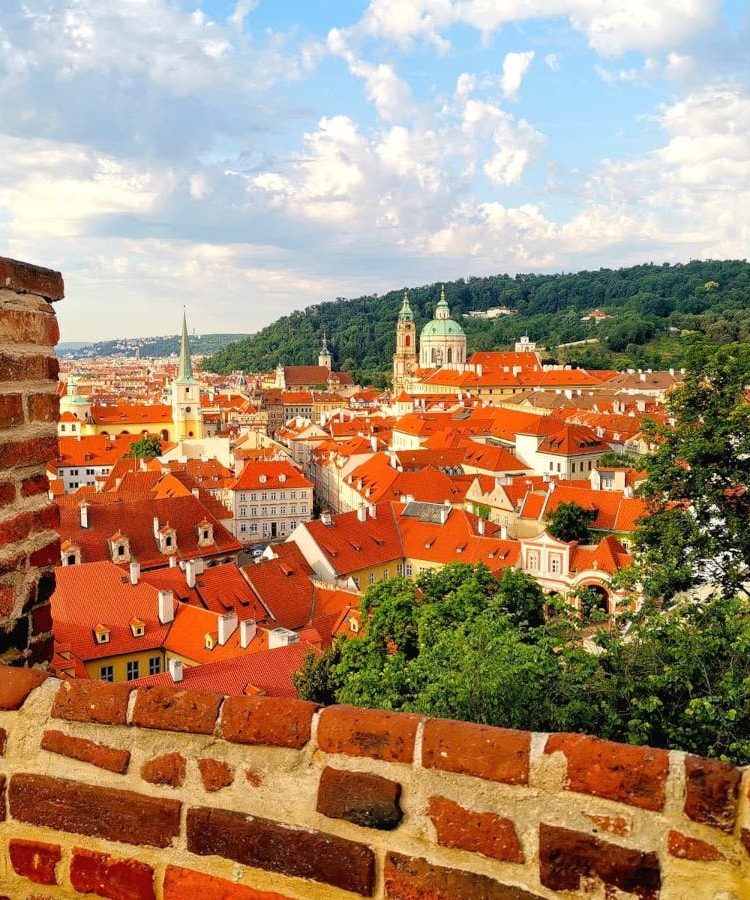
(185, 372)
(405, 313)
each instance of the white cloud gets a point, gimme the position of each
(552, 61)
(515, 66)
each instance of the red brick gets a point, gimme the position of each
(41, 619)
(621, 772)
(16, 528)
(254, 778)
(712, 788)
(684, 847)
(114, 815)
(92, 701)
(281, 722)
(11, 410)
(47, 518)
(34, 860)
(168, 769)
(30, 452)
(413, 878)
(171, 709)
(182, 884)
(7, 493)
(368, 732)
(3, 741)
(8, 598)
(36, 484)
(117, 879)
(17, 684)
(100, 755)
(215, 774)
(480, 832)
(298, 852)
(568, 858)
(495, 754)
(48, 555)
(43, 407)
(23, 367)
(613, 824)
(361, 798)
(29, 326)
(25, 278)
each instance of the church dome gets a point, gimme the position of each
(442, 328)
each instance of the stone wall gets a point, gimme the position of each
(161, 792)
(29, 406)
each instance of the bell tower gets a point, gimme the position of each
(405, 357)
(186, 395)
(324, 357)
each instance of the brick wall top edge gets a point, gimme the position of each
(103, 703)
(25, 278)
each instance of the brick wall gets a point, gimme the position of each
(166, 793)
(29, 406)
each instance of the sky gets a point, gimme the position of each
(245, 158)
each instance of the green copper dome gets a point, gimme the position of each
(442, 328)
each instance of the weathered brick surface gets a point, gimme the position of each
(712, 790)
(92, 701)
(170, 709)
(110, 758)
(35, 484)
(361, 798)
(269, 845)
(105, 876)
(618, 825)
(215, 774)
(26, 367)
(35, 860)
(480, 832)
(685, 847)
(567, 858)
(114, 815)
(43, 407)
(3, 741)
(413, 878)
(16, 685)
(11, 409)
(280, 722)
(368, 732)
(181, 884)
(496, 754)
(28, 452)
(28, 326)
(633, 775)
(26, 278)
(168, 769)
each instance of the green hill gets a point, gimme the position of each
(147, 347)
(651, 309)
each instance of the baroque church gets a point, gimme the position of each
(442, 342)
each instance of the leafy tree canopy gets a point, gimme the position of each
(147, 447)
(570, 522)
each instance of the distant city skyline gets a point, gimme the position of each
(248, 158)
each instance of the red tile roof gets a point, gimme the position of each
(262, 475)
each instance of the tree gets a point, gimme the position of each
(314, 681)
(615, 460)
(698, 525)
(148, 447)
(570, 522)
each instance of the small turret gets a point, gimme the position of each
(324, 357)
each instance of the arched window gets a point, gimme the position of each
(434, 355)
(407, 340)
(450, 354)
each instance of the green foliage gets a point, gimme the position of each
(649, 306)
(570, 522)
(461, 644)
(200, 345)
(314, 680)
(147, 447)
(613, 460)
(698, 527)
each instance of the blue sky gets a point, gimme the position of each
(247, 158)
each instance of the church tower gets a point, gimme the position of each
(324, 357)
(405, 357)
(186, 395)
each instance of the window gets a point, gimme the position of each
(558, 467)
(264, 510)
(107, 673)
(253, 510)
(154, 665)
(243, 512)
(253, 496)
(371, 578)
(188, 409)
(385, 574)
(304, 510)
(121, 550)
(74, 471)
(293, 495)
(292, 525)
(293, 509)
(400, 569)
(243, 528)
(62, 428)
(273, 495)
(533, 562)
(555, 565)
(273, 511)
(264, 495)
(133, 670)
(409, 570)
(254, 528)
(168, 540)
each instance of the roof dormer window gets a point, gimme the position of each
(137, 627)
(101, 634)
(210, 640)
(119, 548)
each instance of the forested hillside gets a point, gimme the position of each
(651, 308)
(151, 346)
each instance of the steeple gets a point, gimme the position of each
(405, 313)
(324, 357)
(441, 310)
(185, 372)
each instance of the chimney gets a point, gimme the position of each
(373, 511)
(156, 526)
(373, 443)
(135, 572)
(480, 525)
(444, 513)
(175, 670)
(172, 561)
(196, 493)
(362, 513)
(325, 517)
(166, 607)
(503, 532)
(84, 509)
(227, 627)
(248, 630)
(190, 573)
